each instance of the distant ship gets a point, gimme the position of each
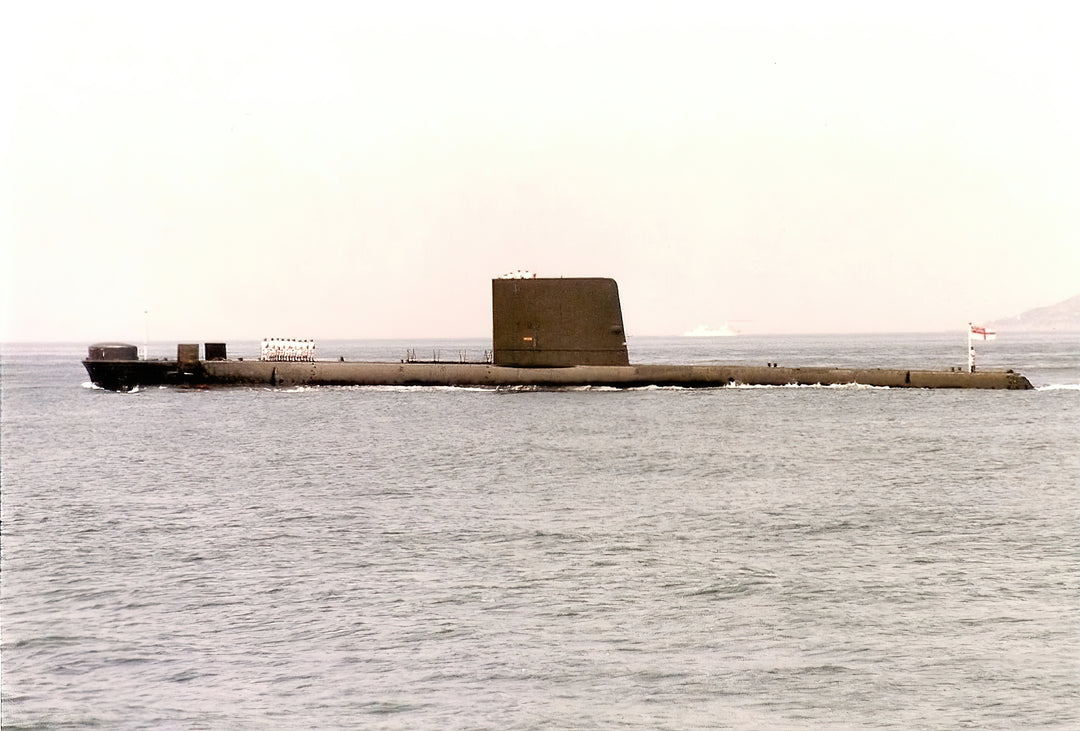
(702, 331)
(546, 333)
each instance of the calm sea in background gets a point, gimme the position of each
(456, 558)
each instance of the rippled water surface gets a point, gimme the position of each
(455, 558)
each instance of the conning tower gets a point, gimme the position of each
(552, 323)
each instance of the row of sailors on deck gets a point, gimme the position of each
(280, 349)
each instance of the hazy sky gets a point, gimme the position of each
(336, 170)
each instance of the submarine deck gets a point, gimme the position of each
(124, 375)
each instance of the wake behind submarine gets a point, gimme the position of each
(546, 333)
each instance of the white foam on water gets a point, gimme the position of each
(91, 386)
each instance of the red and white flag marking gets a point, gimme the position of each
(981, 333)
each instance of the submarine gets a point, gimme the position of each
(546, 333)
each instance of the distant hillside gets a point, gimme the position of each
(1062, 317)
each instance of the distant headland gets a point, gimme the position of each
(1061, 317)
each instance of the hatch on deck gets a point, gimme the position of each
(112, 351)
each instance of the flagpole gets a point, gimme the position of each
(971, 351)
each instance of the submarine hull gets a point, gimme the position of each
(116, 375)
(125, 375)
(546, 333)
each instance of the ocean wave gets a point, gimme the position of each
(90, 386)
(1059, 387)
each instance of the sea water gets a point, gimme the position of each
(398, 558)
